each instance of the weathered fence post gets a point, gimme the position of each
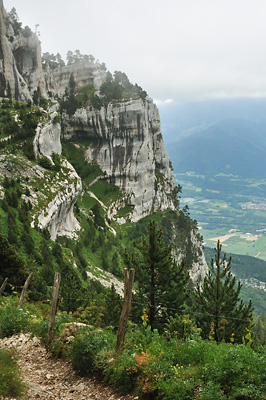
(57, 278)
(2, 288)
(25, 287)
(129, 280)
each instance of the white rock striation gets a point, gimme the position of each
(58, 216)
(199, 268)
(27, 54)
(127, 145)
(12, 84)
(84, 73)
(48, 139)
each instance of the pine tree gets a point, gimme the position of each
(11, 265)
(72, 292)
(218, 302)
(161, 282)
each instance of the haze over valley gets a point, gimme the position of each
(218, 152)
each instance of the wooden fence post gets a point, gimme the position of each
(57, 278)
(129, 280)
(25, 287)
(2, 288)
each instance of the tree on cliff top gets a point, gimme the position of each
(218, 302)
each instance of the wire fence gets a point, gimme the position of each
(158, 307)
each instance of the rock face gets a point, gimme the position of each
(21, 71)
(58, 216)
(127, 145)
(48, 139)
(27, 54)
(84, 73)
(199, 269)
(12, 84)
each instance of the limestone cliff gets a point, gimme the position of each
(48, 138)
(27, 54)
(12, 83)
(84, 73)
(58, 214)
(127, 144)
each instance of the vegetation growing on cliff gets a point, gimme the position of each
(118, 87)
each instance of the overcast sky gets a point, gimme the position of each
(174, 49)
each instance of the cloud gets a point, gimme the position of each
(174, 49)
(162, 102)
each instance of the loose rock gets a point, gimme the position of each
(50, 379)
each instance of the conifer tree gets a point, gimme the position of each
(218, 303)
(161, 282)
(12, 265)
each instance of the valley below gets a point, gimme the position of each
(228, 208)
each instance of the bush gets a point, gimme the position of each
(10, 382)
(86, 347)
(120, 372)
(212, 391)
(45, 162)
(236, 369)
(176, 389)
(13, 320)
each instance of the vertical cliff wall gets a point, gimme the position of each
(21, 71)
(126, 143)
(84, 72)
(12, 83)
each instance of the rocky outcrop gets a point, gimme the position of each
(28, 58)
(58, 215)
(127, 144)
(12, 84)
(199, 268)
(52, 195)
(84, 73)
(48, 138)
(21, 71)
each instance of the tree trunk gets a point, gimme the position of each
(129, 280)
(23, 293)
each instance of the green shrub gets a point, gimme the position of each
(10, 382)
(86, 347)
(212, 391)
(39, 328)
(175, 389)
(57, 161)
(120, 372)
(45, 162)
(13, 320)
(236, 369)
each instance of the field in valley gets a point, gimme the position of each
(227, 208)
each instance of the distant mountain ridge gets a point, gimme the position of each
(232, 146)
(182, 119)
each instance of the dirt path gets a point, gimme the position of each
(51, 379)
